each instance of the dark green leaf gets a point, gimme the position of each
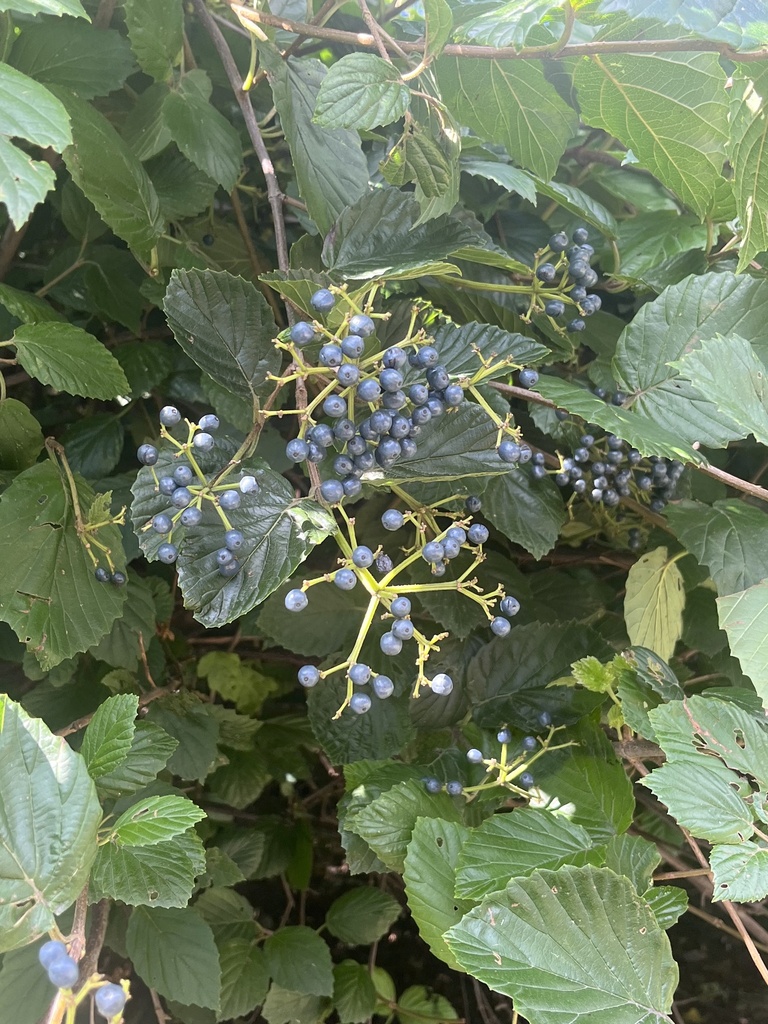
(285, 1007)
(298, 959)
(354, 995)
(328, 624)
(530, 512)
(197, 732)
(244, 978)
(69, 359)
(202, 134)
(20, 435)
(26, 306)
(144, 128)
(651, 240)
(581, 204)
(152, 876)
(94, 445)
(182, 189)
(361, 91)
(464, 349)
(24, 989)
(156, 32)
(459, 445)
(132, 633)
(510, 178)
(362, 916)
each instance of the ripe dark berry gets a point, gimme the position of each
(528, 378)
(359, 674)
(526, 780)
(436, 407)
(394, 399)
(169, 416)
(554, 308)
(343, 465)
(334, 406)
(390, 644)
(384, 564)
(545, 719)
(500, 626)
(454, 789)
(433, 551)
(63, 972)
(504, 736)
(332, 491)
(575, 326)
(383, 687)
(352, 486)
(347, 375)
(392, 519)
(408, 447)
(360, 703)
(546, 273)
(362, 325)
(401, 426)
(330, 355)
(451, 547)
(345, 579)
(352, 346)
(437, 377)
(453, 396)
(209, 422)
(233, 540)
(204, 441)
(391, 380)
(509, 606)
(400, 607)
(369, 390)
(296, 450)
(477, 534)
(191, 516)
(427, 356)
(558, 242)
(296, 600)
(474, 756)
(526, 454)
(530, 743)
(362, 556)
(181, 497)
(166, 485)
(230, 569)
(302, 333)
(229, 500)
(207, 240)
(308, 676)
(322, 301)
(394, 358)
(402, 629)
(421, 415)
(441, 684)
(539, 472)
(619, 398)
(103, 577)
(50, 951)
(580, 236)
(578, 269)
(344, 429)
(472, 504)
(162, 523)
(433, 785)
(147, 454)
(224, 556)
(119, 579)
(419, 394)
(183, 475)
(110, 1000)
(168, 553)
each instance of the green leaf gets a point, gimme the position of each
(465, 348)
(298, 959)
(362, 916)
(174, 953)
(633, 857)
(25, 990)
(577, 942)
(109, 174)
(651, 241)
(361, 91)
(244, 978)
(156, 32)
(654, 602)
(154, 876)
(581, 205)
(418, 1003)
(438, 22)
(236, 681)
(183, 189)
(203, 135)
(132, 632)
(27, 111)
(417, 157)
(509, 679)
(109, 735)
(458, 445)
(196, 731)
(663, 330)
(45, 858)
(511, 23)
(150, 749)
(748, 148)
(53, 7)
(354, 995)
(671, 109)
(387, 822)
(378, 236)
(155, 820)
(513, 845)
(26, 306)
(737, 24)
(739, 873)
(530, 512)
(668, 903)
(510, 178)
(636, 429)
(729, 537)
(329, 623)
(331, 170)
(229, 914)
(73, 55)
(226, 326)
(285, 1007)
(69, 359)
(144, 128)
(43, 560)
(744, 401)
(744, 617)
(20, 435)
(510, 103)
(430, 876)
(702, 799)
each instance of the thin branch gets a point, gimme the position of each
(96, 935)
(160, 1014)
(274, 195)
(603, 46)
(374, 29)
(145, 699)
(77, 935)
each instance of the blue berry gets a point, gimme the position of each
(322, 301)
(233, 540)
(229, 500)
(333, 406)
(110, 1000)
(224, 556)
(402, 629)
(558, 242)
(394, 358)
(352, 346)
(407, 448)
(433, 551)
(344, 429)
(169, 416)
(509, 451)
(119, 579)
(362, 325)
(203, 441)
(545, 719)
(296, 450)
(391, 380)
(209, 422)
(441, 684)
(472, 504)
(554, 308)
(330, 355)
(530, 743)
(230, 569)
(343, 465)
(401, 427)
(352, 486)
(183, 475)
(50, 951)
(436, 407)
(191, 516)
(383, 687)
(362, 556)
(101, 575)
(526, 454)
(166, 485)
(452, 547)
(392, 519)
(356, 445)
(539, 472)
(390, 644)
(475, 756)
(580, 236)
(296, 600)
(147, 455)
(347, 375)
(419, 394)
(394, 399)
(162, 523)
(63, 972)
(359, 674)
(369, 390)
(345, 579)
(360, 703)
(421, 415)
(437, 377)
(525, 781)
(500, 626)
(528, 378)
(509, 606)
(433, 785)
(477, 534)
(575, 326)
(308, 676)
(454, 789)
(504, 736)
(546, 273)
(400, 607)
(453, 395)
(457, 534)
(302, 333)
(168, 553)
(427, 356)
(181, 497)
(332, 491)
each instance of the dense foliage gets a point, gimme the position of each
(383, 548)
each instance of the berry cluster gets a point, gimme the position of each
(394, 411)
(389, 601)
(63, 972)
(569, 275)
(188, 489)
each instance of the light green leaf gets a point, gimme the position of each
(419, 1003)
(438, 22)
(361, 91)
(109, 735)
(749, 157)
(650, 241)
(702, 799)
(236, 681)
(633, 857)
(511, 23)
(744, 617)
(225, 324)
(203, 135)
(744, 402)
(20, 435)
(671, 109)
(110, 175)
(150, 749)
(729, 537)
(354, 995)
(668, 903)
(45, 857)
(513, 845)
(510, 103)
(244, 978)
(154, 876)
(740, 873)
(23, 182)
(53, 7)
(173, 952)
(285, 1007)
(572, 943)
(44, 561)
(331, 170)
(298, 959)
(362, 916)
(509, 177)
(155, 820)
(156, 32)
(69, 359)
(741, 25)
(654, 603)
(73, 55)
(430, 879)
(581, 205)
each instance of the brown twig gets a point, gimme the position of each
(639, 750)
(145, 699)
(96, 935)
(77, 935)
(104, 14)
(160, 1014)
